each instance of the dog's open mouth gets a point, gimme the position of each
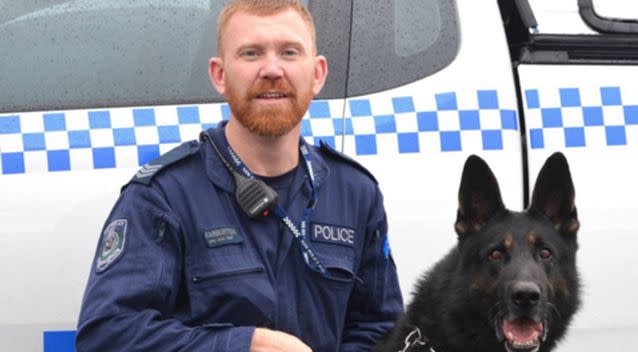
(522, 335)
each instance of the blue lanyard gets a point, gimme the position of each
(301, 235)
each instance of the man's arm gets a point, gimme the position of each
(134, 283)
(375, 302)
(133, 289)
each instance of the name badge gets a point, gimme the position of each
(332, 234)
(221, 236)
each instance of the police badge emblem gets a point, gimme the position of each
(112, 244)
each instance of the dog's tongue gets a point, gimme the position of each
(522, 329)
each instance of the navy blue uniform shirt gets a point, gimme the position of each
(180, 267)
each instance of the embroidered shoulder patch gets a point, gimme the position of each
(112, 245)
(221, 236)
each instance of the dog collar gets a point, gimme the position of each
(416, 339)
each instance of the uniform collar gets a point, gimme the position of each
(221, 177)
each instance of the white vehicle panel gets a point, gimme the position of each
(590, 113)
(559, 17)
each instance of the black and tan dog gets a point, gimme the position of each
(511, 282)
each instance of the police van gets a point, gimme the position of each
(91, 90)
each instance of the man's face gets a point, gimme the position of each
(268, 71)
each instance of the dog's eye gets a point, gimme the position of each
(496, 255)
(545, 253)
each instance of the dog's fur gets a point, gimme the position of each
(510, 283)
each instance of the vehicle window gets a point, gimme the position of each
(616, 9)
(610, 16)
(397, 42)
(109, 53)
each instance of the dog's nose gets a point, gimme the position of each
(525, 294)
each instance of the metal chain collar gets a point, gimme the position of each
(415, 338)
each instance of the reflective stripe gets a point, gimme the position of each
(578, 120)
(131, 137)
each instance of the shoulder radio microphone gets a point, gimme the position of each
(254, 196)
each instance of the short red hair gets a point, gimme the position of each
(262, 8)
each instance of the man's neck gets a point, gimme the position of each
(264, 156)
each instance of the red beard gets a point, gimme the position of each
(273, 120)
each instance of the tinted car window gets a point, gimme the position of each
(108, 53)
(397, 42)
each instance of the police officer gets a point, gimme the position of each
(189, 261)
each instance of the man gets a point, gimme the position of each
(182, 266)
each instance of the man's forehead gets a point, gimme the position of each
(244, 27)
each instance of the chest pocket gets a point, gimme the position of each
(334, 246)
(330, 293)
(225, 277)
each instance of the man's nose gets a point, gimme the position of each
(272, 68)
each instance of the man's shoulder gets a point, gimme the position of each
(343, 160)
(149, 171)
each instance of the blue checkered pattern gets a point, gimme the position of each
(451, 126)
(48, 142)
(131, 137)
(576, 121)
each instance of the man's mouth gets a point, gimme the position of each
(271, 96)
(522, 335)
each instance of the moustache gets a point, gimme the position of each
(271, 87)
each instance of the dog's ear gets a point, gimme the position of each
(479, 197)
(554, 195)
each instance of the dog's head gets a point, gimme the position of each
(521, 266)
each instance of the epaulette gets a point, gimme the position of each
(148, 171)
(326, 148)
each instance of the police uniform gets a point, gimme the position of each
(179, 266)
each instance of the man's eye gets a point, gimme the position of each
(249, 53)
(290, 52)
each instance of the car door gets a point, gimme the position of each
(579, 83)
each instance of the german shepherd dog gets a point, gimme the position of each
(510, 284)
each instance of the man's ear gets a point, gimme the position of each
(216, 74)
(320, 73)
